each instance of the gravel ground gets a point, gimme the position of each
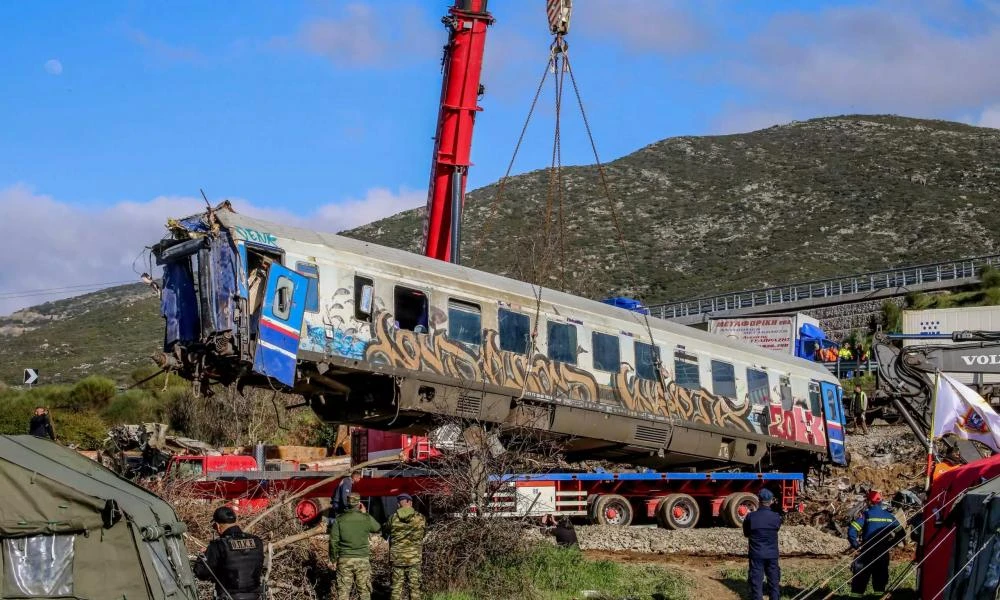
(717, 541)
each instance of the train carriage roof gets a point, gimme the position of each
(231, 219)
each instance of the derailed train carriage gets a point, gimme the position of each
(390, 340)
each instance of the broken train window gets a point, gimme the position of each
(39, 565)
(311, 272)
(686, 372)
(364, 298)
(646, 356)
(410, 309)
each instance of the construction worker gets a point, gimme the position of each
(350, 550)
(872, 534)
(234, 561)
(406, 547)
(860, 407)
(761, 527)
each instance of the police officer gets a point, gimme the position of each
(406, 547)
(761, 527)
(234, 561)
(872, 533)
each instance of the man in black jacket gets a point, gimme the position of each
(40, 425)
(761, 527)
(234, 561)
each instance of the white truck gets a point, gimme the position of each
(934, 327)
(797, 334)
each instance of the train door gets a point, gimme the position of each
(280, 323)
(833, 411)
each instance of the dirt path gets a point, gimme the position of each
(715, 578)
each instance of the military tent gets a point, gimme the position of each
(70, 528)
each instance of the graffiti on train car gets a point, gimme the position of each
(381, 343)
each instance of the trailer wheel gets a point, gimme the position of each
(737, 506)
(678, 511)
(612, 509)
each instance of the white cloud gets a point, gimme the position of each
(990, 117)
(642, 26)
(53, 67)
(161, 49)
(47, 243)
(873, 58)
(364, 36)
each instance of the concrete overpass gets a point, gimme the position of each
(864, 287)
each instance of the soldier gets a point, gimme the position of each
(349, 549)
(233, 561)
(406, 547)
(879, 531)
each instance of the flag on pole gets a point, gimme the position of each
(960, 410)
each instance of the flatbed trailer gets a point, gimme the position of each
(672, 500)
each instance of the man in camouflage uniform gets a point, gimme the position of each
(349, 549)
(406, 547)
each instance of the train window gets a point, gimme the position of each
(723, 379)
(515, 331)
(686, 371)
(311, 272)
(645, 361)
(410, 309)
(364, 296)
(561, 342)
(282, 307)
(815, 399)
(786, 393)
(757, 386)
(465, 323)
(607, 354)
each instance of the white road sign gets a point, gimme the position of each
(30, 376)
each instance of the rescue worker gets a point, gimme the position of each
(234, 561)
(338, 501)
(872, 534)
(761, 527)
(406, 547)
(562, 529)
(860, 407)
(40, 425)
(349, 549)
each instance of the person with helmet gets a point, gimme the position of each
(761, 527)
(406, 547)
(872, 534)
(234, 561)
(350, 550)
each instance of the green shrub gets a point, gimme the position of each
(91, 393)
(84, 430)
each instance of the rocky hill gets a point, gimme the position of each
(700, 215)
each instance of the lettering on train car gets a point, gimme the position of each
(258, 237)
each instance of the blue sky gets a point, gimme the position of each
(113, 114)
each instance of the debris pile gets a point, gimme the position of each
(888, 459)
(795, 540)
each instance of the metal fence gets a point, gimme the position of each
(950, 271)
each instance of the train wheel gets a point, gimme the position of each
(737, 506)
(612, 510)
(678, 511)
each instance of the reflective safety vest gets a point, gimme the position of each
(870, 527)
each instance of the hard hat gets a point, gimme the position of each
(404, 496)
(874, 497)
(765, 495)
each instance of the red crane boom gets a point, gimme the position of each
(462, 65)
